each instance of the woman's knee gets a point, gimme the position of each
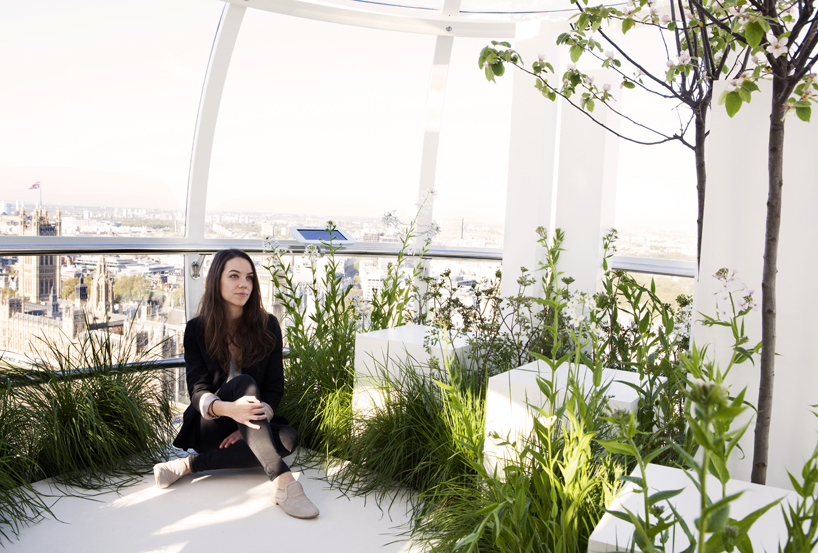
(245, 385)
(289, 438)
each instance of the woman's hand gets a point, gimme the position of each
(231, 439)
(244, 410)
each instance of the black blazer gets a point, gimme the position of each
(204, 374)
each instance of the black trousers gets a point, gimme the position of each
(264, 446)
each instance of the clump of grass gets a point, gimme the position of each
(549, 496)
(20, 504)
(92, 421)
(408, 439)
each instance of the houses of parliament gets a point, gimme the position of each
(37, 319)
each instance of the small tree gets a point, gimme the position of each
(747, 39)
(780, 40)
(697, 56)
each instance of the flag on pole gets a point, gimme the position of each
(35, 186)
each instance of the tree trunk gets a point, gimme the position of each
(701, 174)
(775, 164)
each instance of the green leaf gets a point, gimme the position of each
(663, 495)
(744, 94)
(628, 84)
(733, 103)
(498, 69)
(749, 85)
(627, 25)
(576, 52)
(618, 447)
(803, 113)
(633, 480)
(582, 22)
(754, 32)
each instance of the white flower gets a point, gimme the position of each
(776, 46)
(747, 302)
(432, 231)
(639, 72)
(684, 57)
(390, 219)
(732, 85)
(665, 19)
(609, 54)
(669, 63)
(606, 87)
(572, 67)
(589, 80)
(312, 252)
(689, 15)
(269, 244)
(653, 11)
(755, 60)
(541, 57)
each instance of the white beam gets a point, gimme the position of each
(395, 19)
(215, 77)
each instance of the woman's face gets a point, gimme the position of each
(236, 284)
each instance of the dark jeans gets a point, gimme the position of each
(264, 446)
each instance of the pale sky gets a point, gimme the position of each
(100, 98)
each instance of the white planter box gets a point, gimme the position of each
(613, 534)
(510, 396)
(386, 351)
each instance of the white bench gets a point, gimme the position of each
(613, 534)
(386, 351)
(510, 396)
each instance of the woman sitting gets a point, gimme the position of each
(235, 378)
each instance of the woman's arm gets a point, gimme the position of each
(244, 410)
(199, 380)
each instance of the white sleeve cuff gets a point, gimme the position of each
(204, 405)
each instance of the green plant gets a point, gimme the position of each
(92, 421)
(406, 430)
(20, 504)
(320, 333)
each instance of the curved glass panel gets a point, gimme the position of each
(423, 4)
(99, 107)
(656, 185)
(472, 167)
(318, 121)
(514, 6)
(49, 302)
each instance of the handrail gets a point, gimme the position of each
(71, 245)
(652, 265)
(82, 372)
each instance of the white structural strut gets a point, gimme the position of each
(220, 56)
(434, 121)
(407, 20)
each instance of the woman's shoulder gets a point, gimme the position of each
(272, 321)
(195, 322)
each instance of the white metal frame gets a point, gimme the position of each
(446, 24)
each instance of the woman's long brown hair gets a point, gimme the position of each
(250, 334)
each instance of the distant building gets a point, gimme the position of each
(101, 296)
(33, 329)
(39, 274)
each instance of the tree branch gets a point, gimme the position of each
(665, 138)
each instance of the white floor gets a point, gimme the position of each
(214, 512)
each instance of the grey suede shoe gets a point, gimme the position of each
(294, 502)
(169, 472)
